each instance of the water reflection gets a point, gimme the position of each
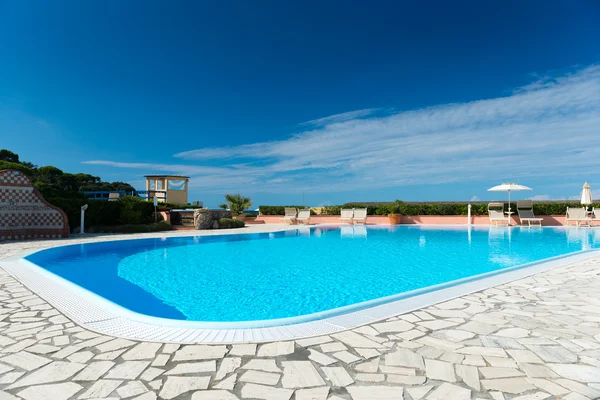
(579, 236)
(304, 231)
(499, 234)
(353, 231)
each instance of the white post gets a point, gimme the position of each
(469, 215)
(81, 227)
(155, 205)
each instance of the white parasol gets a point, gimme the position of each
(586, 195)
(509, 187)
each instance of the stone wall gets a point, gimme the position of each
(24, 214)
(208, 219)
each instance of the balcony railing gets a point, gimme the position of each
(107, 195)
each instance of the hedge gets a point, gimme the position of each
(435, 208)
(131, 228)
(125, 211)
(229, 223)
(174, 206)
(276, 210)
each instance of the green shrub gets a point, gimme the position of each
(229, 223)
(131, 228)
(175, 206)
(275, 210)
(556, 208)
(106, 213)
(130, 210)
(433, 208)
(16, 166)
(332, 210)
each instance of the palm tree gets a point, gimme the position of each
(224, 206)
(238, 203)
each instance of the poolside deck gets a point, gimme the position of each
(534, 338)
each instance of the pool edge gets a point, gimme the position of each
(84, 307)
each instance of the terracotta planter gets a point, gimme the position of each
(394, 219)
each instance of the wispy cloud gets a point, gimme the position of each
(546, 197)
(546, 129)
(337, 118)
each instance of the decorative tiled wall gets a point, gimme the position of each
(24, 214)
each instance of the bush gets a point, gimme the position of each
(229, 223)
(174, 206)
(275, 210)
(331, 210)
(131, 228)
(106, 213)
(434, 208)
(556, 208)
(16, 166)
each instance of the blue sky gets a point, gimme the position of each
(284, 101)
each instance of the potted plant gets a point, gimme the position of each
(394, 219)
(394, 215)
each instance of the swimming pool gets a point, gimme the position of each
(309, 271)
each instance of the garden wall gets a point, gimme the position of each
(24, 214)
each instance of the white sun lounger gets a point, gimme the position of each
(526, 215)
(577, 215)
(346, 215)
(304, 216)
(360, 216)
(290, 215)
(496, 213)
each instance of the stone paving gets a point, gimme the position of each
(536, 338)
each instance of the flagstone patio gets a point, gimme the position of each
(536, 338)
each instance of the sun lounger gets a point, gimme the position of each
(346, 215)
(526, 215)
(577, 215)
(496, 213)
(304, 216)
(360, 216)
(290, 215)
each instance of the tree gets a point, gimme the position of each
(224, 206)
(238, 203)
(16, 166)
(52, 182)
(49, 174)
(122, 186)
(7, 155)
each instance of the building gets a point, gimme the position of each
(167, 188)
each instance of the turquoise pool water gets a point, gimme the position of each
(287, 274)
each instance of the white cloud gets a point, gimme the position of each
(545, 197)
(475, 198)
(541, 197)
(546, 129)
(337, 118)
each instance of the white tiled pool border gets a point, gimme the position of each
(98, 314)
